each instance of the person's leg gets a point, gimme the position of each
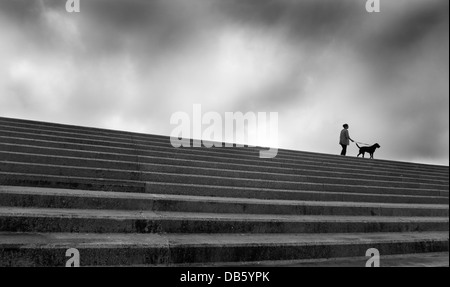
(344, 149)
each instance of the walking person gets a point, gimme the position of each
(344, 139)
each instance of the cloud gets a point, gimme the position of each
(318, 63)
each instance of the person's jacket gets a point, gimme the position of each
(345, 137)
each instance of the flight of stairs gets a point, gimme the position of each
(129, 199)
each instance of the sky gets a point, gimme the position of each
(130, 65)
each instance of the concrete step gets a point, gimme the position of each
(201, 175)
(18, 179)
(111, 177)
(226, 172)
(148, 163)
(15, 219)
(145, 139)
(49, 249)
(12, 150)
(244, 153)
(11, 196)
(310, 183)
(264, 193)
(432, 259)
(71, 182)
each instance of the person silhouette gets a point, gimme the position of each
(344, 139)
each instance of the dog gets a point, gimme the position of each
(368, 149)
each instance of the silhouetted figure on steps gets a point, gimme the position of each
(345, 139)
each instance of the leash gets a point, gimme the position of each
(361, 143)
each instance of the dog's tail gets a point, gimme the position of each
(357, 145)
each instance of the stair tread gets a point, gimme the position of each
(193, 198)
(33, 240)
(430, 259)
(169, 215)
(209, 177)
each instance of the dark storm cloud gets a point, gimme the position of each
(306, 20)
(319, 63)
(409, 28)
(134, 26)
(386, 48)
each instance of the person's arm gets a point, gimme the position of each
(348, 136)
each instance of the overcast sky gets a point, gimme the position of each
(130, 65)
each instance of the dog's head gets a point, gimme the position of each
(376, 145)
